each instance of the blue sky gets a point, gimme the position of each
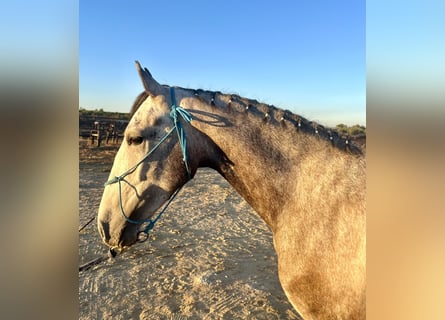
(305, 56)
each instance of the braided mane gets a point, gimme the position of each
(273, 115)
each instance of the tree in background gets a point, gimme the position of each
(351, 131)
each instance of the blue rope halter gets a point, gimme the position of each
(175, 113)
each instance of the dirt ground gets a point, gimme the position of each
(209, 257)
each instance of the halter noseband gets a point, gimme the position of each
(174, 115)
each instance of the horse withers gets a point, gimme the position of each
(305, 181)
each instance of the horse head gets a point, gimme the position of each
(149, 167)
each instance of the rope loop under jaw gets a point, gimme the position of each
(175, 114)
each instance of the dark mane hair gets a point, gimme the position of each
(137, 102)
(355, 144)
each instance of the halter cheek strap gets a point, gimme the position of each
(175, 114)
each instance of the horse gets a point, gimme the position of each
(306, 181)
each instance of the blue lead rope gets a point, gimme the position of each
(175, 113)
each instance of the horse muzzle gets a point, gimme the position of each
(118, 236)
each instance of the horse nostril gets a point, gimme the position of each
(104, 231)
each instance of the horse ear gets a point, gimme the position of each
(152, 87)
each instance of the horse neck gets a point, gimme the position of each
(255, 153)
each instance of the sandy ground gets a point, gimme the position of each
(209, 257)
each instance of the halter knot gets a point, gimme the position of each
(114, 180)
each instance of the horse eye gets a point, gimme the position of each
(135, 140)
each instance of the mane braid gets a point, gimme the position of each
(274, 115)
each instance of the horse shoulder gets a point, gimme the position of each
(320, 244)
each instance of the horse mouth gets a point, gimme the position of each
(116, 239)
(125, 245)
(141, 236)
(128, 237)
